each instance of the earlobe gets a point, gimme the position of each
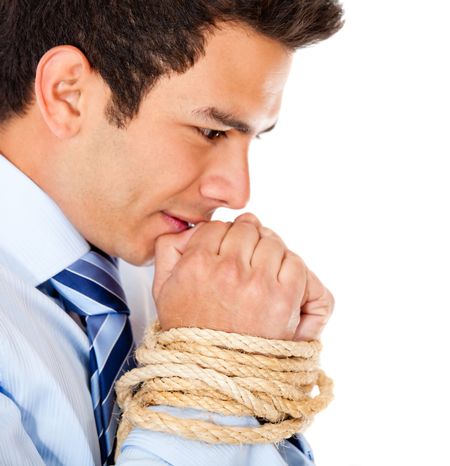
(59, 89)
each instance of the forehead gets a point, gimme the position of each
(241, 72)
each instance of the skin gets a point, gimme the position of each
(238, 278)
(117, 185)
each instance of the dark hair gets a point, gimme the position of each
(131, 43)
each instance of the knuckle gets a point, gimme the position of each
(216, 224)
(330, 299)
(199, 258)
(296, 259)
(195, 263)
(258, 277)
(298, 272)
(267, 232)
(257, 291)
(229, 270)
(231, 273)
(246, 228)
(320, 321)
(277, 244)
(247, 217)
(259, 273)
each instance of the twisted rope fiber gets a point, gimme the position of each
(225, 373)
(226, 357)
(231, 368)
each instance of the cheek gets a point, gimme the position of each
(171, 164)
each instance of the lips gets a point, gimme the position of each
(190, 221)
(176, 223)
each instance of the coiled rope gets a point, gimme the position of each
(225, 373)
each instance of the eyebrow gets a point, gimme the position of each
(227, 119)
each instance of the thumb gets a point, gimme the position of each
(168, 251)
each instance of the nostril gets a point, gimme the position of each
(230, 189)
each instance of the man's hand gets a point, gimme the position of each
(238, 277)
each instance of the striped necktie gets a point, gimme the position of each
(91, 288)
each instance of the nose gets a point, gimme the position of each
(227, 181)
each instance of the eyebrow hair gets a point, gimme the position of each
(227, 119)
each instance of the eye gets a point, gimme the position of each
(212, 134)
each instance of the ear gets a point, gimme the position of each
(59, 86)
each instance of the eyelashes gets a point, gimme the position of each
(215, 134)
(212, 134)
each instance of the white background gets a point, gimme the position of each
(355, 179)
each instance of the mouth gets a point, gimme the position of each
(181, 223)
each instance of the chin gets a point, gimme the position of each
(137, 256)
(144, 262)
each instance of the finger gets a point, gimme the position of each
(168, 251)
(269, 255)
(248, 218)
(263, 256)
(209, 237)
(316, 309)
(310, 329)
(293, 273)
(268, 233)
(240, 242)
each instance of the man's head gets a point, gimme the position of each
(133, 112)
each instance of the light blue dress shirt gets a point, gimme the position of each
(46, 415)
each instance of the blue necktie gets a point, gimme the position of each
(91, 288)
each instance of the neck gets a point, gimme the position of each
(28, 144)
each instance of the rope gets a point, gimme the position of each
(224, 373)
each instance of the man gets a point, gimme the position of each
(123, 124)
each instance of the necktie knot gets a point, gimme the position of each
(91, 286)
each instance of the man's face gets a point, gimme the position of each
(184, 155)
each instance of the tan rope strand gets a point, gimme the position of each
(209, 432)
(178, 384)
(286, 408)
(279, 364)
(140, 416)
(231, 368)
(181, 400)
(223, 373)
(215, 380)
(235, 341)
(162, 388)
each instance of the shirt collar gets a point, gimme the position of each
(36, 239)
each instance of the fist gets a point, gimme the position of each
(237, 277)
